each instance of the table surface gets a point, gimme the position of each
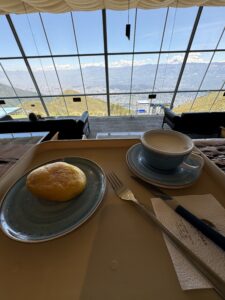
(116, 254)
(119, 135)
(11, 149)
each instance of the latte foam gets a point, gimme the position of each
(167, 142)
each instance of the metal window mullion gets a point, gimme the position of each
(115, 94)
(159, 55)
(164, 29)
(32, 34)
(26, 62)
(132, 64)
(53, 61)
(187, 53)
(111, 53)
(78, 57)
(105, 42)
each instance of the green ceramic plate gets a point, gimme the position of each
(26, 218)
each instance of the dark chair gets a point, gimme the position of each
(67, 128)
(196, 124)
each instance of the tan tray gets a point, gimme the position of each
(117, 254)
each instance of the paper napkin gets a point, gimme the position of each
(205, 207)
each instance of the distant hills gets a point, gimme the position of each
(213, 101)
(119, 80)
(7, 91)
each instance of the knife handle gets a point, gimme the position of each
(208, 231)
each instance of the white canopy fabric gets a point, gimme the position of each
(59, 6)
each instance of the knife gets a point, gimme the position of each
(199, 224)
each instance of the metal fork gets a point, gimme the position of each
(126, 194)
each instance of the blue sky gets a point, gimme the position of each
(88, 26)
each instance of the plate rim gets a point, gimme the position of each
(157, 183)
(91, 212)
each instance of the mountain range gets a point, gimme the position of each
(119, 80)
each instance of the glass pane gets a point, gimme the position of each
(31, 34)
(116, 24)
(18, 75)
(93, 69)
(194, 71)
(20, 108)
(183, 102)
(150, 24)
(60, 33)
(33, 105)
(120, 73)
(222, 41)
(6, 89)
(119, 105)
(215, 74)
(14, 108)
(199, 102)
(210, 28)
(144, 72)
(204, 101)
(69, 75)
(217, 101)
(8, 45)
(57, 106)
(96, 106)
(88, 27)
(146, 106)
(178, 29)
(45, 76)
(168, 71)
(162, 99)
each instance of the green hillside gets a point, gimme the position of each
(209, 102)
(98, 107)
(59, 106)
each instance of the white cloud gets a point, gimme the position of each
(196, 58)
(192, 58)
(93, 64)
(175, 59)
(128, 63)
(65, 67)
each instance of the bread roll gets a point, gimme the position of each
(57, 181)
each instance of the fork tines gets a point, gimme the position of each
(114, 180)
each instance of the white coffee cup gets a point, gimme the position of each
(165, 149)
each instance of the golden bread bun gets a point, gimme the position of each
(57, 181)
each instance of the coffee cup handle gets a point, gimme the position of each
(196, 154)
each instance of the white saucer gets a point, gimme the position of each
(183, 176)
